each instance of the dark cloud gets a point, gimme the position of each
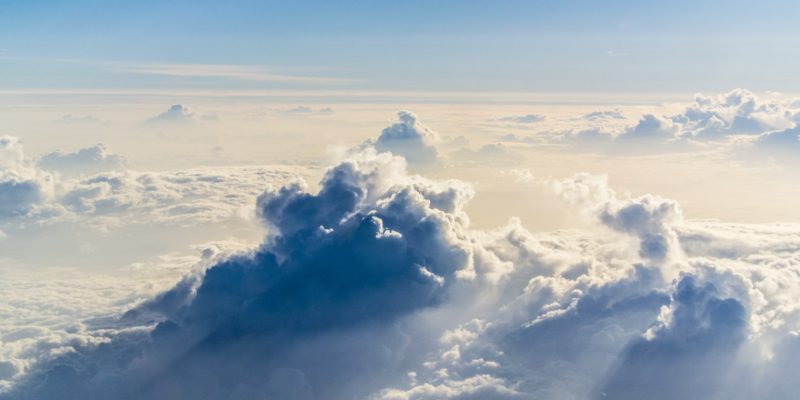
(688, 356)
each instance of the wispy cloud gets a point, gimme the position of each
(240, 72)
(224, 71)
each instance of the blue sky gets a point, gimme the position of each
(548, 46)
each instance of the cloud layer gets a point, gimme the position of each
(376, 286)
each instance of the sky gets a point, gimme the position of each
(399, 200)
(516, 46)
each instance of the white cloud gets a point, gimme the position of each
(410, 139)
(249, 73)
(604, 115)
(739, 121)
(22, 186)
(88, 160)
(94, 188)
(492, 154)
(523, 119)
(176, 113)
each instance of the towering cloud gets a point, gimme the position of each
(410, 139)
(341, 267)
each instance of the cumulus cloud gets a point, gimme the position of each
(22, 186)
(739, 121)
(410, 139)
(736, 112)
(93, 187)
(700, 332)
(361, 253)
(176, 113)
(88, 160)
(651, 128)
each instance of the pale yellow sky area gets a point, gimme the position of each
(708, 180)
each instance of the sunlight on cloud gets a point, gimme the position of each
(376, 284)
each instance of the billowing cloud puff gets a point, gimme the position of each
(89, 160)
(94, 188)
(738, 120)
(371, 246)
(649, 218)
(700, 331)
(22, 186)
(651, 128)
(410, 139)
(737, 112)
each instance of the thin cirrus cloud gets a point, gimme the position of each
(248, 73)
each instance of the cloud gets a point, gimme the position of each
(736, 112)
(783, 146)
(249, 73)
(738, 121)
(94, 188)
(604, 115)
(74, 119)
(376, 286)
(522, 119)
(649, 218)
(176, 113)
(650, 128)
(410, 139)
(341, 267)
(84, 161)
(22, 186)
(309, 110)
(48, 312)
(492, 153)
(700, 332)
